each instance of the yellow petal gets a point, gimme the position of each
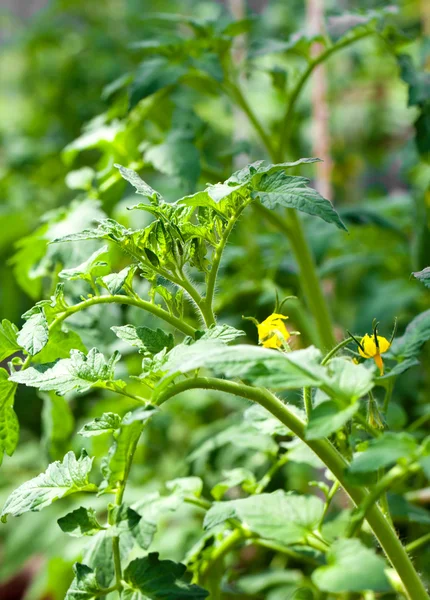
(379, 363)
(272, 342)
(272, 331)
(369, 346)
(384, 344)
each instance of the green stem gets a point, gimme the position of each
(335, 350)
(211, 280)
(329, 499)
(422, 541)
(118, 299)
(270, 545)
(195, 296)
(301, 83)
(377, 491)
(265, 480)
(307, 400)
(386, 536)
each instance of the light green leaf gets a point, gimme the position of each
(140, 186)
(185, 486)
(59, 345)
(349, 382)
(233, 478)
(224, 333)
(147, 340)
(85, 585)
(177, 156)
(59, 480)
(126, 519)
(286, 518)
(159, 580)
(415, 336)
(114, 282)
(278, 189)
(79, 522)
(9, 426)
(383, 451)
(8, 339)
(141, 414)
(351, 568)
(326, 418)
(34, 334)
(107, 423)
(90, 269)
(115, 465)
(80, 372)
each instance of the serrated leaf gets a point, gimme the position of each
(278, 189)
(286, 518)
(383, 451)
(148, 340)
(423, 276)
(159, 580)
(352, 567)
(137, 182)
(59, 480)
(85, 585)
(224, 333)
(114, 282)
(8, 339)
(34, 334)
(107, 423)
(90, 269)
(326, 418)
(80, 522)
(80, 373)
(415, 336)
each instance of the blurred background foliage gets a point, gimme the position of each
(84, 85)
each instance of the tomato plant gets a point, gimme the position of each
(223, 413)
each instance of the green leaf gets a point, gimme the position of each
(34, 334)
(8, 339)
(85, 585)
(153, 75)
(126, 519)
(177, 156)
(116, 464)
(415, 336)
(352, 567)
(287, 518)
(224, 333)
(185, 486)
(58, 424)
(107, 423)
(260, 366)
(114, 282)
(140, 186)
(79, 522)
(348, 381)
(278, 189)
(423, 276)
(383, 451)
(9, 426)
(418, 81)
(59, 480)
(147, 340)
(233, 478)
(158, 580)
(326, 418)
(59, 345)
(90, 269)
(80, 373)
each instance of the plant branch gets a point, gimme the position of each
(334, 461)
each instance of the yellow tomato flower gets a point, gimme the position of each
(272, 332)
(372, 346)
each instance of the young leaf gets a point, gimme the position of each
(415, 336)
(326, 418)
(8, 339)
(59, 480)
(351, 568)
(34, 334)
(79, 522)
(286, 518)
(85, 585)
(114, 282)
(140, 186)
(90, 269)
(383, 451)
(148, 340)
(9, 426)
(159, 580)
(278, 189)
(423, 276)
(107, 423)
(80, 372)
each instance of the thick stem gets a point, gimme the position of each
(386, 536)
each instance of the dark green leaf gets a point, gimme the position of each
(85, 585)
(383, 451)
(415, 336)
(327, 418)
(79, 522)
(144, 338)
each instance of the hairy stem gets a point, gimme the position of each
(386, 536)
(335, 350)
(119, 299)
